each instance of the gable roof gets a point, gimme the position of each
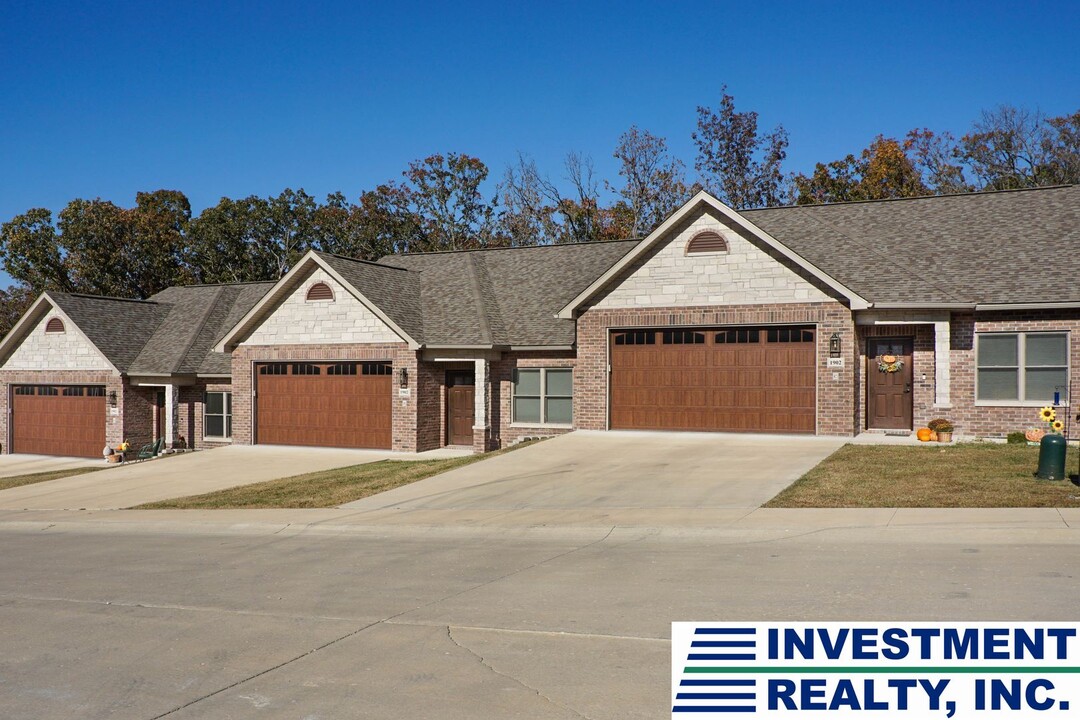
(506, 297)
(978, 248)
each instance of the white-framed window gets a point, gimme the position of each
(544, 396)
(217, 416)
(1022, 368)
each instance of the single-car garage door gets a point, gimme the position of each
(329, 404)
(58, 420)
(752, 379)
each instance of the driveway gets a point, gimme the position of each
(602, 475)
(180, 475)
(21, 464)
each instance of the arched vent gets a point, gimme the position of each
(55, 325)
(706, 241)
(320, 291)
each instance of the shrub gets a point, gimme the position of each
(940, 425)
(1016, 438)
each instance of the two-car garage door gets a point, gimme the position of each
(58, 420)
(327, 404)
(751, 379)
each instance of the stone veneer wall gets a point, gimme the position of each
(114, 424)
(744, 275)
(836, 398)
(998, 421)
(405, 437)
(69, 350)
(922, 365)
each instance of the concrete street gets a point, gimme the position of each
(456, 611)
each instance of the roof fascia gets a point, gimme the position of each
(856, 301)
(1066, 305)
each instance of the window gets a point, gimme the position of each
(274, 369)
(683, 337)
(55, 325)
(347, 368)
(544, 396)
(306, 369)
(217, 419)
(740, 336)
(1021, 367)
(377, 368)
(790, 335)
(707, 241)
(320, 291)
(73, 392)
(636, 337)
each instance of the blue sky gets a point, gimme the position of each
(248, 98)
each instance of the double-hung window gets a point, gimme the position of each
(217, 418)
(1021, 368)
(544, 396)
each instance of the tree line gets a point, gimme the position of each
(441, 203)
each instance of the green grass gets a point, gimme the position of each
(31, 478)
(968, 475)
(328, 488)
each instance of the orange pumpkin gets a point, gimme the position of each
(924, 434)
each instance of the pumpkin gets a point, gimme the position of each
(933, 436)
(1034, 434)
(924, 434)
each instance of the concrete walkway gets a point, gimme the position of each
(22, 464)
(189, 474)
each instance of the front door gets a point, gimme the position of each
(460, 397)
(888, 384)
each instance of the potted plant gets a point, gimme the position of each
(943, 428)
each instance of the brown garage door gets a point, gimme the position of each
(58, 420)
(329, 404)
(755, 379)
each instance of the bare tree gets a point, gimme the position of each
(653, 185)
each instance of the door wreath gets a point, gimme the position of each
(889, 364)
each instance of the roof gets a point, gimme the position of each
(505, 296)
(118, 327)
(978, 248)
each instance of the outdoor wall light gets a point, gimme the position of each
(403, 377)
(834, 345)
(112, 398)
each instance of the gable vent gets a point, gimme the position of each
(55, 325)
(706, 241)
(320, 291)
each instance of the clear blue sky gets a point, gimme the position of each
(104, 100)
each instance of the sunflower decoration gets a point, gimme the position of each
(889, 364)
(1057, 426)
(1047, 414)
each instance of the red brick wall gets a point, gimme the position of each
(998, 421)
(114, 424)
(404, 409)
(837, 402)
(504, 431)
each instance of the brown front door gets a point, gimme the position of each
(460, 396)
(743, 379)
(328, 404)
(888, 394)
(58, 420)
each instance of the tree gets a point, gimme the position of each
(880, 172)
(158, 255)
(223, 243)
(528, 209)
(653, 185)
(31, 252)
(737, 165)
(14, 301)
(444, 193)
(935, 157)
(1010, 148)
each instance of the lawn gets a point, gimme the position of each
(31, 478)
(973, 475)
(328, 488)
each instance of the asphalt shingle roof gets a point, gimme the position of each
(993, 247)
(119, 328)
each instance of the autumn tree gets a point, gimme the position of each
(737, 164)
(443, 191)
(1010, 148)
(880, 172)
(653, 181)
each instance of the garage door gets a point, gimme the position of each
(328, 404)
(58, 420)
(749, 379)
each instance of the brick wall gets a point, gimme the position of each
(924, 377)
(139, 409)
(114, 425)
(504, 431)
(404, 409)
(837, 401)
(998, 421)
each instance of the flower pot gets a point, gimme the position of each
(944, 437)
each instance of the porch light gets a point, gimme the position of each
(112, 398)
(403, 377)
(834, 345)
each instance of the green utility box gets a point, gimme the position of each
(1051, 458)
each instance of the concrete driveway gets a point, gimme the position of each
(21, 464)
(606, 476)
(180, 475)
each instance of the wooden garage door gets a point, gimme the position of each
(329, 404)
(752, 379)
(58, 420)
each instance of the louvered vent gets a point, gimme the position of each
(706, 242)
(320, 291)
(55, 325)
